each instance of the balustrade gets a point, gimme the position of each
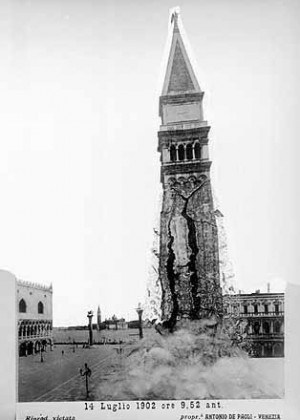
(34, 330)
(261, 314)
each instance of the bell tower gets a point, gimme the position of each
(189, 253)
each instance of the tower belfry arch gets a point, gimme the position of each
(189, 251)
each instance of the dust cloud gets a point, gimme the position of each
(195, 362)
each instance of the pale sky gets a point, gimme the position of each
(79, 168)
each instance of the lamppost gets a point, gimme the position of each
(139, 311)
(86, 372)
(90, 317)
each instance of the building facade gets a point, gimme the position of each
(262, 318)
(115, 323)
(35, 321)
(189, 252)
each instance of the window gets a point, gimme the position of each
(173, 153)
(276, 308)
(181, 152)
(40, 308)
(278, 350)
(189, 152)
(245, 309)
(255, 309)
(268, 349)
(266, 308)
(256, 328)
(197, 151)
(277, 327)
(22, 306)
(266, 327)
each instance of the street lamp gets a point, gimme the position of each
(139, 311)
(90, 315)
(86, 372)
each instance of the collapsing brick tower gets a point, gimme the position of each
(189, 254)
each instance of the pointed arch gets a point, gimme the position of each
(40, 308)
(22, 306)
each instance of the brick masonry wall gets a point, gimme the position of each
(189, 257)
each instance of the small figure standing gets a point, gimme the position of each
(87, 373)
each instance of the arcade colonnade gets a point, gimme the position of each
(34, 336)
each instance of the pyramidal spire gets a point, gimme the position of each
(180, 77)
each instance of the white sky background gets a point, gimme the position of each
(79, 170)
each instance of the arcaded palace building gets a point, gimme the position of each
(263, 317)
(34, 306)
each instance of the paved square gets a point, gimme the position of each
(58, 377)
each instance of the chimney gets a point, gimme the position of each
(268, 288)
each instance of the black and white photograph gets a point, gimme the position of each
(149, 200)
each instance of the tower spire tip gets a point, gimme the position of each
(174, 12)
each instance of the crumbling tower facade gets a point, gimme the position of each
(189, 254)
